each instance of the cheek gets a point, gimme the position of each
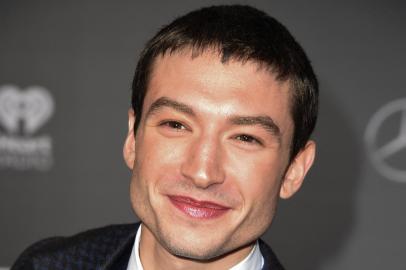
(157, 157)
(259, 178)
(155, 163)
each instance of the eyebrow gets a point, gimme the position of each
(163, 102)
(264, 121)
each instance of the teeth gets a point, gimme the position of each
(197, 212)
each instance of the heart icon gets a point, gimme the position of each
(33, 106)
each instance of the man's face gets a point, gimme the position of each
(210, 153)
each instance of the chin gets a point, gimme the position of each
(192, 250)
(191, 253)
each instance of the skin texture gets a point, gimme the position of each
(207, 141)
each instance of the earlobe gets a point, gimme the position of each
(129, 144)
(297, 170)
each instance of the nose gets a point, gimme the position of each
(203, 163)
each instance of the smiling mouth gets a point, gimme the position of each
(198, 209)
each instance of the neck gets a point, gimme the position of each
(154, 256)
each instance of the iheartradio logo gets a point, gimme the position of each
(33, 107)
(22, 114)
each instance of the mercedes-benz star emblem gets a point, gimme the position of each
(379, 155)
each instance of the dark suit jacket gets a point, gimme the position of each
(106, 248)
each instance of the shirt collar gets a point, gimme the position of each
(135, 262)
(253, 261)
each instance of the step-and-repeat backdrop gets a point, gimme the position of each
(65, 74)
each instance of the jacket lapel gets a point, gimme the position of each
(119, 259)
(271, 262)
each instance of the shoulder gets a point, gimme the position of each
(85, 250)
(271, 262)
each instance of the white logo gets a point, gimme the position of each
(23, 113)
(380, 154)
(34, 106)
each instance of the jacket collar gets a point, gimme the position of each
(119, 260)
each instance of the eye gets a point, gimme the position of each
(173, 125)
(248, 139)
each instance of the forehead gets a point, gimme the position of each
(214, 87)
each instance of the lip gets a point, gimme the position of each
(198, 209)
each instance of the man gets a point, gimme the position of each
(224, 102)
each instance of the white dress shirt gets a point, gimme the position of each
(253, 261)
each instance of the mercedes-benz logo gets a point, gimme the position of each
(379, 154)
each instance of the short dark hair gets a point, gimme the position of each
(242, 33)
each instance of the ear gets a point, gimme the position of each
(297, 170)
(129, 144)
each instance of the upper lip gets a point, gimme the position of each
(197, 203)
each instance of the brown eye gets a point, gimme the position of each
(173, 125)
(248, 139)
